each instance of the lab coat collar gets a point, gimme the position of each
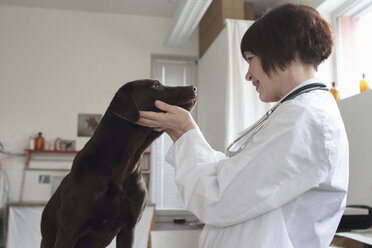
(309, 81)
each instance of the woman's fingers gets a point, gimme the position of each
(147, 119)
(151, 115)
(164, 106)
(174, 118)
(150, 123)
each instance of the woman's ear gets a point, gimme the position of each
(124, 106)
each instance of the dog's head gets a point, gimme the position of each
(140, 95)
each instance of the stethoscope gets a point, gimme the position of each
(252, 130)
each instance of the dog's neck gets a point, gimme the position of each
(130, 141)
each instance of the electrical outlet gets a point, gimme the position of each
(44, 178)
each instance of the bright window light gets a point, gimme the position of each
(355, 39)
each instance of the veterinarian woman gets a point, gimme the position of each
(285, 185)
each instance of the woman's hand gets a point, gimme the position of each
(175, 121)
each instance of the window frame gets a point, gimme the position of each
(352, 8)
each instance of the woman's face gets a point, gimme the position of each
(268, 87)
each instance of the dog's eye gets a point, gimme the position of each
(156, 85)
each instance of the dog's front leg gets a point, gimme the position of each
(132, 207)
(63, 241)
(125, 238)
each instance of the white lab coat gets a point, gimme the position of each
(287, 188)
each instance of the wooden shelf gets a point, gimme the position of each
(48, 155)
(61, 151)
(27, 204)
(51, 151)
(46, 169)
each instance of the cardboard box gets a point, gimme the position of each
(249, 11)
(213, 20)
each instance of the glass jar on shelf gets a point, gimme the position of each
(39, 141)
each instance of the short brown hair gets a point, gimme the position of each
(286, 31)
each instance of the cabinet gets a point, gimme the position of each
(45, 169)
(356, 114)
(24, 226)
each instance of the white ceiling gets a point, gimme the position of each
(160, 8)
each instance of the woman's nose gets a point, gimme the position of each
(248, 76)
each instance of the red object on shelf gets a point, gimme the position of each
(59, 151)
(51, 151)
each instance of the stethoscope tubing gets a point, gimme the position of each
(253, 130)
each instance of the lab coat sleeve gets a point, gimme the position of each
(285, 159)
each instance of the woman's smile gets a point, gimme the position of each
(255, 84)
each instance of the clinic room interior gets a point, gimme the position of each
(61, 63)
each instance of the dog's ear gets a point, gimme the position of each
(124, 106)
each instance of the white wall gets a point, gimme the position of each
(356, 112)
(212, 76)
(55, 64)
(327, 70)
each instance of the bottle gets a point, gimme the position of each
(363, 84)
(58, 144)
(335, 92)
(31, 145)
(39, 141)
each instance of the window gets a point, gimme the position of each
(163, 190)
(354, 50)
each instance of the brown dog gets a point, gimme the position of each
(103, 196)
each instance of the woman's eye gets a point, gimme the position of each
(249, 59)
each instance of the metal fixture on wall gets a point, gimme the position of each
(185, 20)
